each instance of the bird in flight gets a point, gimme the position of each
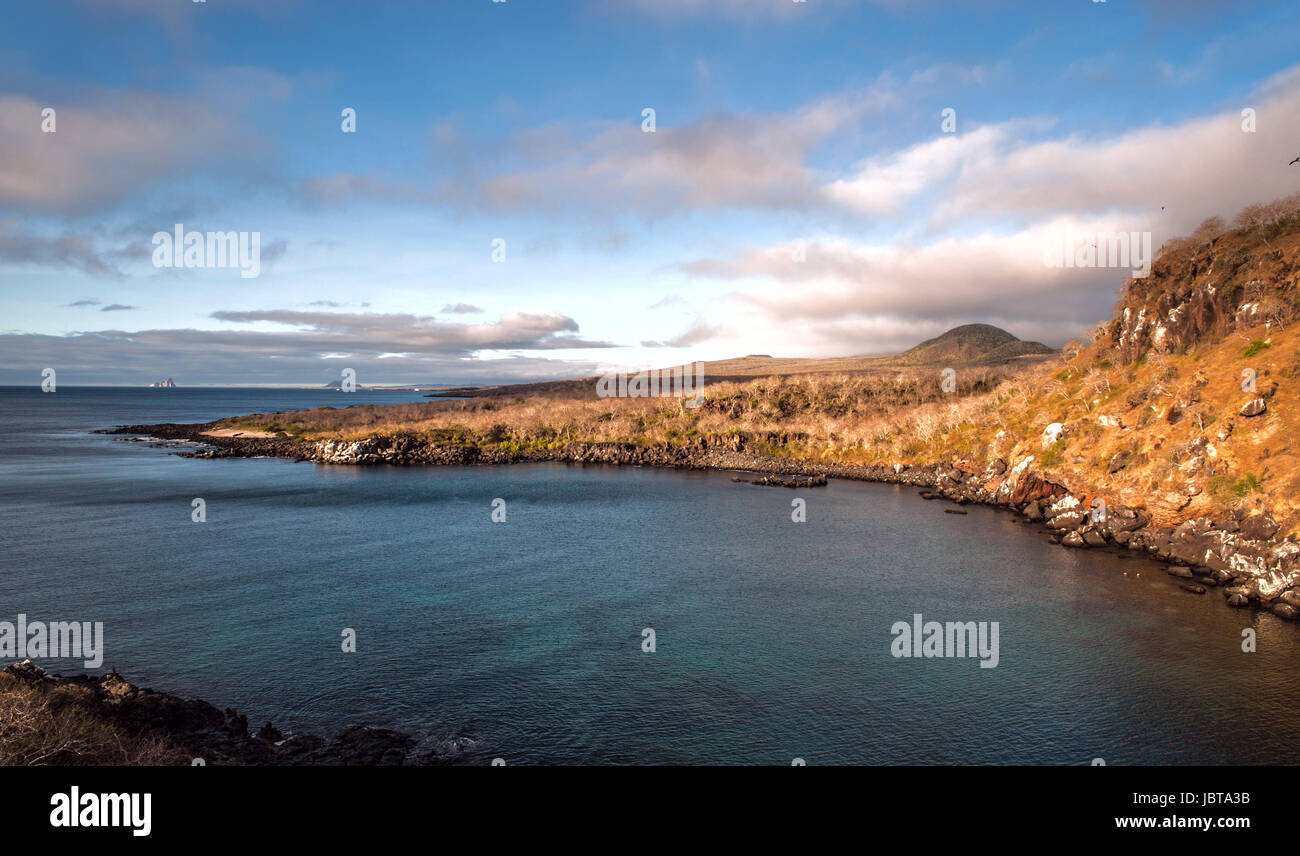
(1294, 162)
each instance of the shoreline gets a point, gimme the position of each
(137, 726)
(1241, 556)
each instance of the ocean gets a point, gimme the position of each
(773, 640)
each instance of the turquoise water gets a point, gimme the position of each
(773, 638)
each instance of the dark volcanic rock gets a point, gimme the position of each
(1259, 527)
(1093, 537)
(1285, 610)
(192, 729)
(1125, 519)
(795, 481)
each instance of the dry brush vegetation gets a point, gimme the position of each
(63, 726)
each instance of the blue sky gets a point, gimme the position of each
(784, 131)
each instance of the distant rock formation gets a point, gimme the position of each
(972, 343)
(166, 383)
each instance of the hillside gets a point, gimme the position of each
(971, 343)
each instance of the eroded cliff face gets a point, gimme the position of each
(1178, 419)
(1202, 290)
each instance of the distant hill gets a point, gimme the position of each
(980, 344)
(972, 343)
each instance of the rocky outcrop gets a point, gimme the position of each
(193, 731)
(1254, 407)
(216, 447)
(1203, 288)
(794, 481)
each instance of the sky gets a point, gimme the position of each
(821, 178)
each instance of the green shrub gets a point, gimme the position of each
(1249, 483)
(1052, 456)
(1254, 348)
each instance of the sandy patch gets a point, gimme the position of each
(237, 432)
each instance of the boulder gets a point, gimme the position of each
(1125, 519)
(1192, 540)
(1254, 407)
(1259, 527)
(1068, 520)
(1093, 538)
(1052, 433)
(269, 733)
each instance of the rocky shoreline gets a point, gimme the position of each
(190, 731)
(1240, 555)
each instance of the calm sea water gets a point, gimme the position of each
(773, 638)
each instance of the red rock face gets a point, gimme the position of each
(1031, 486)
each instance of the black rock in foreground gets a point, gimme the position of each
(92, 721)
